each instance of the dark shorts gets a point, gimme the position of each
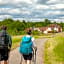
(28, 57)
(4, 54)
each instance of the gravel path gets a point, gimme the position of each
(15, 56)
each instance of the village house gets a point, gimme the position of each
(52, 27)
(43, 29)
(55, 27)
(36, 28)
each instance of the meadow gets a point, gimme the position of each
(54, 50)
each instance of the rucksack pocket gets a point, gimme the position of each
(24, 49)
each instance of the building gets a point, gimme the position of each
(35, 28)
(52, 27)
(55, 27)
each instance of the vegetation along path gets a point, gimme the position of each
(15, 56)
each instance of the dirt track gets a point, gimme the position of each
(15, 56)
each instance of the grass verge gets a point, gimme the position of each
(54, 50)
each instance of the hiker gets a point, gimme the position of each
(5, 44)
(26, 47)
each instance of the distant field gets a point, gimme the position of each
(16, 39)
(54, 50)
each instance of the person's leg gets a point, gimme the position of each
(5, 62)
(25, 61)
(6, 56)
(25, 58)
(0, 62)
(28, 61)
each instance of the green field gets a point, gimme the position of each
(54, 50)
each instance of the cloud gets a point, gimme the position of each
(39, 6)
(55, 1)
(57, 6)
(55, 13)
(32, 9)
(15, 1)
(18, 11)
(5, 16)
(42, 1)
(4, 1)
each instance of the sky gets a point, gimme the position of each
(32, 10)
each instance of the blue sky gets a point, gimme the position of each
(32, 10)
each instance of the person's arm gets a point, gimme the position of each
(10, 41)
(34, 44)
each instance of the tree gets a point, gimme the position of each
(46, 22)
(24, 21)
(54, 22)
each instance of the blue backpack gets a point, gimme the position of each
(26, 45)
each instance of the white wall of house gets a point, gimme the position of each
(36, 29)
(56, 29)
(45, 32)
(49, 29)
(61, 29)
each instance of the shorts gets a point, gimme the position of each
(28, 57)
(4, 54)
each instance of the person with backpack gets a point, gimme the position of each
(26, 46)
(5, 44)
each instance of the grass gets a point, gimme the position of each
(43, 36)
(54, 50)
(17, 39)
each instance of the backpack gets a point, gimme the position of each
(26, 45)
(3, 40)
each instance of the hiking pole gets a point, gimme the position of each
(0, 56)
(8, 56)
(35, 57)
(21, 60)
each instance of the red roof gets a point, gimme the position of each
(43, 28)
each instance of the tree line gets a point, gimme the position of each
(17, 27)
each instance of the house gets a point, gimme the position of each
(52, 27)
(36, 28)
(55, 27)
(43, 29)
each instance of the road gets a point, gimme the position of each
(15, 56)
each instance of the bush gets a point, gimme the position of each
(36, 32)
(23, 32)
(52, 31)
